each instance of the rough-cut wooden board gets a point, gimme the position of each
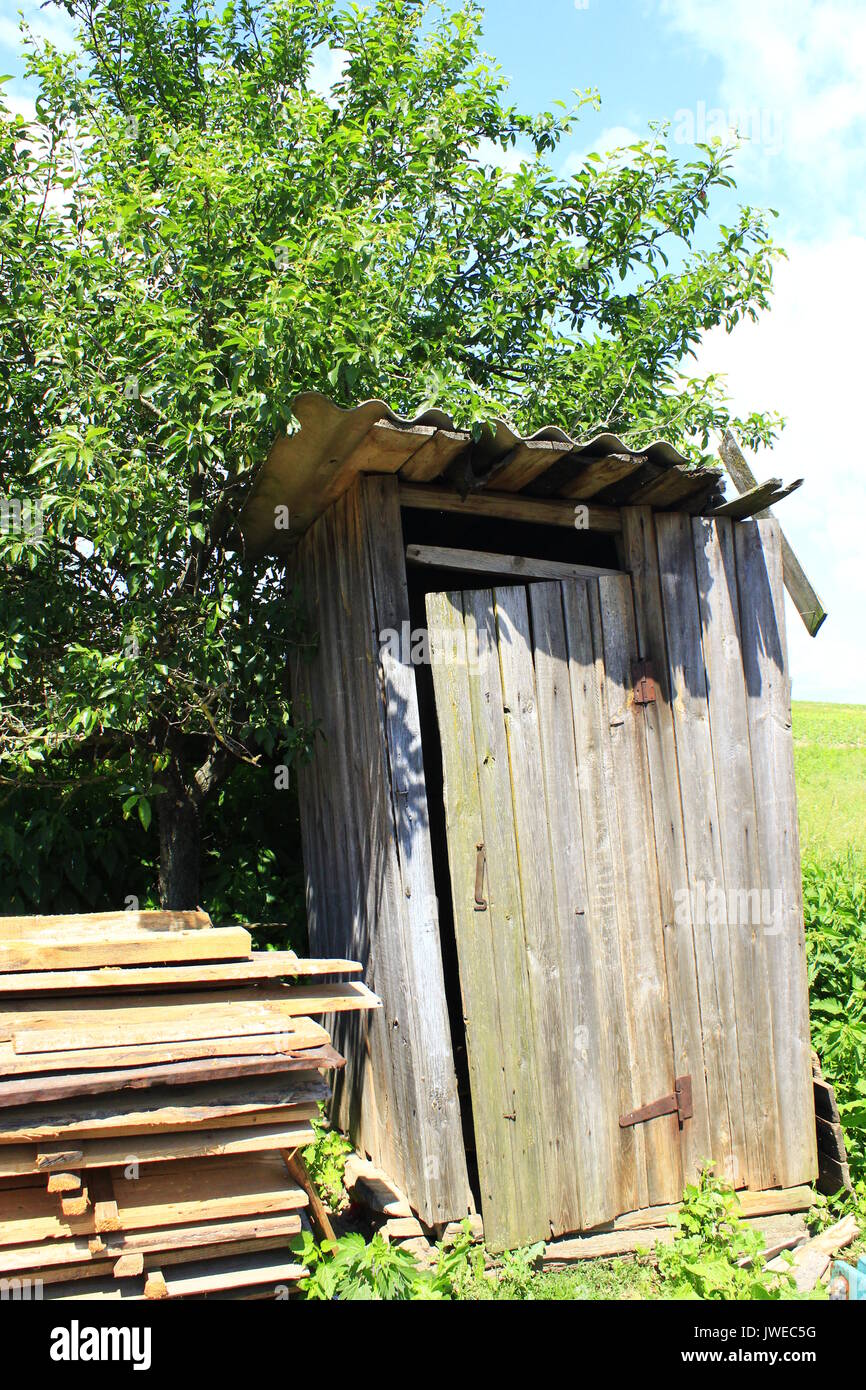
(261, 965)
(167, 1109)
(89, 947)
(637, 890)
(688, 681)
(31, 1089)
(550, 1014)
(762, 618)
(443, 1176)
(14, 928)
(602, 861)
(496, 1150)
(546, 511)
(338, 855)
(179, 1193)
(727, 703)
(588, 1109)
(147, 1147)
(501, 1043)
(192, 1280)
(296, 1034)
(486, 562)
(182, 1242)
(806, 601)
(179, 1018)
(367, 854)
(641, 559)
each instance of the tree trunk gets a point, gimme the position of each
(179, 850)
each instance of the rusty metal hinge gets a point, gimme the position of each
(643, 681)
(678, 1103)
(480, 903)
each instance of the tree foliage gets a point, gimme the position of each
(192, 230)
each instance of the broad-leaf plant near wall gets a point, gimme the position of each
(192, 230)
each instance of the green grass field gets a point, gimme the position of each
(830, 760)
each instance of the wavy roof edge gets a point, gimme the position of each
(307, 470)
(502, 431)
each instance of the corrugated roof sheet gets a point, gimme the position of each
(309, 469)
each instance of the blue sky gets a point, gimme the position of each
(793, 74)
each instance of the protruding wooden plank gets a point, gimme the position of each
(545, 511)
(765, 661)
(295, 1035)
(805, 599)
(261, 965)
(179, 1018)
(71, 923)
(243, 1102)
(487, 562)
(88, 947)
(749, 503)
(175, 1242)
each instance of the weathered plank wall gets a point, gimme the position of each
(370, 890)
(710, 610)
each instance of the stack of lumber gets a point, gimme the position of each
(156, 1078)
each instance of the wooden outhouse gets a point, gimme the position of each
(551, 809)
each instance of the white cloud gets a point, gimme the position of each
(506, 157)
(327, 69)
(805, 359)
(799, 66)
(18, 103)
(51, 25)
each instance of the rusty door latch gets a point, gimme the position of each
(643, 681)
(678, 1103)
(480, 903)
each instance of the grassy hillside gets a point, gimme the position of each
(830, 758)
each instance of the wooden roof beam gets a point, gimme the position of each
(547, 511)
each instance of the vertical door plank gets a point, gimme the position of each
(602, 861)
(729, 727)
(589, 1105)
(524, 1047)
(544, 963)
(641, 558)
(443, 1162)
(641, 928)
(703, 848)
(491, 1058)
(765, 661)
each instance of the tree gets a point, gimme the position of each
(190, 234)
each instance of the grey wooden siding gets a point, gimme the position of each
(370, 892)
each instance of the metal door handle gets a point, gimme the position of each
(480, 862)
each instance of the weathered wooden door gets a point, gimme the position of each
(607, 855)
(556, 903)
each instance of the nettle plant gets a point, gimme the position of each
(190, 234)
